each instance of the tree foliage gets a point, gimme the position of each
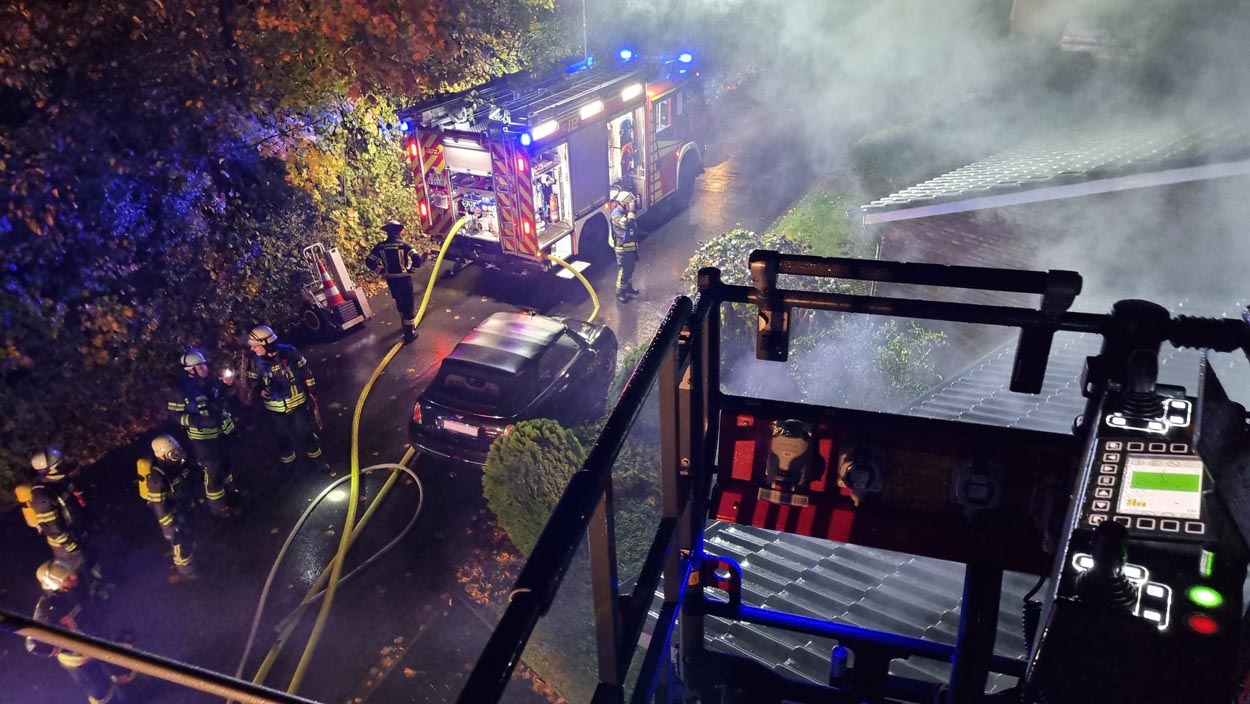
(164, 164)
(525, 474)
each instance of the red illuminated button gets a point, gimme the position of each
(1202, 624)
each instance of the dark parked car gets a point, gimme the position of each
(513, 367)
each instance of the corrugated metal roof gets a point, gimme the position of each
(1083, 156)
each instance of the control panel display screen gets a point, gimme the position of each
(1168, 486)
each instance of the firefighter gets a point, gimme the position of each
(201, 403)
(396, 260)
(625, 242)
(285, 384)
(62, 604)
(164, 482)
(56, 508)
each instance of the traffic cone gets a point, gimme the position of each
(333, 297)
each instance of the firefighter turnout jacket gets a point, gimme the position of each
(202, 407)
(56, 509)
(64, 609)
(624, 230)
(393, 258)
(285, 375)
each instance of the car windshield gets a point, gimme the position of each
(475, 388)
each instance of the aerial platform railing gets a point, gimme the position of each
(683, 359)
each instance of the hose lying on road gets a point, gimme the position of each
(336, 569)
(315, 591)
(594, 298)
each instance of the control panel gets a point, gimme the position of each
(1153, 489)
(1148, 602)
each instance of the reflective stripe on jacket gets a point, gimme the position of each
(201, 408)
(624, 230)
(393, 259)
(285, 376)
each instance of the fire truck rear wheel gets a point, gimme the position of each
(687, 171)
(593, 244)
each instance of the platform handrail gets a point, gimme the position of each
(543, 573)
(167, 669)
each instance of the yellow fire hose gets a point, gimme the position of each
(589, 289)
(336, 569)
(289, 624)
(330, 580)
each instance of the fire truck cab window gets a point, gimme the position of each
(663, 114)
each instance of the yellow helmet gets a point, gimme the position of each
(55, 575)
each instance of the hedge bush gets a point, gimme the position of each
(525, 474)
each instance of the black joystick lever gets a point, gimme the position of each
(1141, 402)
(1105, 584)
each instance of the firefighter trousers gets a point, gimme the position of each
(176, 527)
(296, 426)
(213, 458)
(405, 300)
(625, 262)
(95, 678)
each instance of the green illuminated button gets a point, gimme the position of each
(1206, 563)
(1205, 597)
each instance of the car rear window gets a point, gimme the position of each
(470, 387)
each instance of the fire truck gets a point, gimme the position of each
(531, 160)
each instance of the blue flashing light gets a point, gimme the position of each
(404, 126)
(685, 57)
(626, 54)
(580, 65)
(526, 139)
(681, 71)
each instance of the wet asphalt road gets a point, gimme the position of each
(410, 627)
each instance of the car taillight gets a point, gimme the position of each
(495, 431)
(416, 414)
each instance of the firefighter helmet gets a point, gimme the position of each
(193, 358)
(622, 196)
(392, 226)
(55, 575)
(167, 449)
(48, 460)
(262, 335)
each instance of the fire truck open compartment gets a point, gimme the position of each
(471, 189)
(626, 163)
(553, 215)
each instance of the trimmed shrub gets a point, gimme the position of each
(525, 474)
